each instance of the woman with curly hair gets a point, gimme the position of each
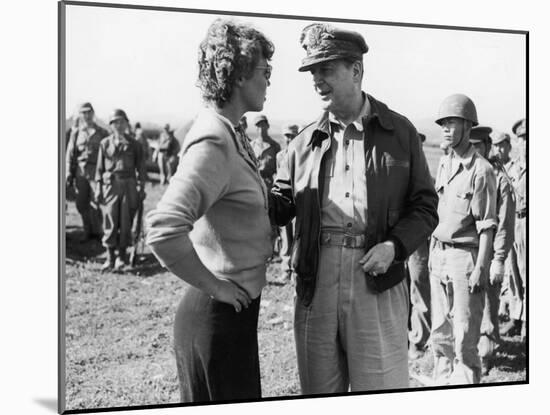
(211, 227)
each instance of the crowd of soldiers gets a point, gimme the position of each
(106, 172)
(459, 319)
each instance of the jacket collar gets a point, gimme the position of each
(378, 111)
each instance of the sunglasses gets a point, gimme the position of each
(267, 70)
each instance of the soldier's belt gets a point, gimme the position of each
(448, 245)
(343, 239)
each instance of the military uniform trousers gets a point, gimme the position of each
(120, 204)
(351, 337)
(85, 203)
(420, 319)
(166, 165)
(456, 315)
(520, 252)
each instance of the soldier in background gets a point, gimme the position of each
(120, 177)
(510, 303)
(168, 149)
(286, 233)
(81, 160)
(142, 140)
(518, 259)
(502, 243)
(265, 150)
(420, 319)
(461, 246)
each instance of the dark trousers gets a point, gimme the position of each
(216, 349)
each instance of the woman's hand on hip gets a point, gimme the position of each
(228, 292)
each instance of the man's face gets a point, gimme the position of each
(453, 130)
(481, 148)
(87, 116)
(119, 125)
(502, 150)
(334, 82)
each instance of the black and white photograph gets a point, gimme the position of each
(267, 206)
(257, 206)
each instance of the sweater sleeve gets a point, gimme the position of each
(199, 182)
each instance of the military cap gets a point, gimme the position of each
(500, 138)
(86, 107)
(520, 128)
(291, 129)
(259, 119)
(422, 137)
(323, 42)
(117, 115)
(480, 134)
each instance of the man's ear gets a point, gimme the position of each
(357, 70)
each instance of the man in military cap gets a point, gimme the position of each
(502, 243)
(461, 246)
(120, 177)
(518, 255)
(265, 149)
(286, 232)
(358, 184)
(168, 149)
(81, 159)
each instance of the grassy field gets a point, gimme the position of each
(119, 332)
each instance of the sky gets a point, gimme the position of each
(145, 62)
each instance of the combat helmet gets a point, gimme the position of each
(457, 105)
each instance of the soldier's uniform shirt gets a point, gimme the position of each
(81, 160)
(467, 207)
(344, 203)
(467, 198)
(120, 170)
(266, 154)
(83, 149)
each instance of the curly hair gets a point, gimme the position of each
(229, 50)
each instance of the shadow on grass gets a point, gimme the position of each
(79, 251)
(147, 266)
(511, 355)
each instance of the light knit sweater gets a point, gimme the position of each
(216, 204)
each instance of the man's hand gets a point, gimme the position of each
(379, 258)
(496, 272)
(478, 280)
(230, 293)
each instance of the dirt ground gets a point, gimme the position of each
(119, 332)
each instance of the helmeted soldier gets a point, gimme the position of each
(265, 150)
(461, 246)
(502, 243)
(120, 177)
(81, 160)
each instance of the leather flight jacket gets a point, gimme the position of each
(402, 202)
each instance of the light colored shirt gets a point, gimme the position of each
(344, 202)
(467, 198)
(216, 204)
